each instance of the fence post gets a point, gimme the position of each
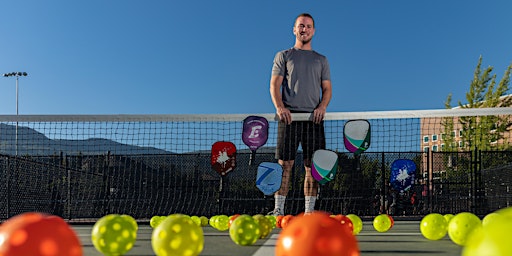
(430, 186)
(8, 189)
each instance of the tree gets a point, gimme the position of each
(482, 132)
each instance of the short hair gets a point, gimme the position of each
(305, 14)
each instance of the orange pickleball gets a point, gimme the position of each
(279, 218)
(316, 234)
(286, 220)
(38, 234)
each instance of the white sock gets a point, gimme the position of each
(310, 203)
(279, 202)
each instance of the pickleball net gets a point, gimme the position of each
(82, 167)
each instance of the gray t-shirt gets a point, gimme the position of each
(303, 73)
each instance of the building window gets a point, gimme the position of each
(461, 144)
(441, 136)
(434, 137)
(434, 148)
(460, 133)
(425, 149)
(454, 134)
(442, 147)
(425, 139)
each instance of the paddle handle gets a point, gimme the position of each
(251, 158)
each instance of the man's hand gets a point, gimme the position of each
(318, 115)
(284, 115)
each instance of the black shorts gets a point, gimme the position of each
(309, 135)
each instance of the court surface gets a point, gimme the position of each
(403, 239)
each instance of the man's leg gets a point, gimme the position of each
(313, 138)
(285, 153)
(280, 195)
(310, 189)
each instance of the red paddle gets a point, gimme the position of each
(223, 158)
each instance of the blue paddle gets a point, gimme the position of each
(268, 177)
(403, 172)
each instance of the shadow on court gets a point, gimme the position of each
(403, 239)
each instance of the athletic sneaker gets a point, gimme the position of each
(276, 212)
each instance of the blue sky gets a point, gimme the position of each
(215, 57)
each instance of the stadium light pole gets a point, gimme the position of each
(17, 75)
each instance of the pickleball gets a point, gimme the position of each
(382, 223)
(356, 222)
(232, 218)
(433, 226)
(38, 234)
(448, 217)
(490, 218)
(492, 238)
(114, 234)
(155, 220)
(222, 222)
(177, 235)
(346, 222)
(264, 223)
(461, 225)
(286, 220)
(196, 220)
(204, 221)
(272, 220)
(316, 234)
(244, 230)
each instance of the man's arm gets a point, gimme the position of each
(319, 113)
(275, 92)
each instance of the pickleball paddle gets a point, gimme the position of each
(356, 135)
(403, 173)
(268, 177)
(324, 166)
(223, 157)
(254, 134)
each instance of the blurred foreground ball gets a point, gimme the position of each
(38, 234)
(491, 239)
(177, 235)
(346, 222)
(114, 234)
(316, 234)
(434, 226)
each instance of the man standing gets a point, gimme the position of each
(300, 83)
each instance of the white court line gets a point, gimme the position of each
(268, 248)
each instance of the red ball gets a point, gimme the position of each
(346, 222)
(279, 218)
(38, 234)
(285, 221)
(232, 218)
(392, 220)
(316, 234)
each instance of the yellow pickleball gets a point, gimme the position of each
(177, 235)
(114, 234)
